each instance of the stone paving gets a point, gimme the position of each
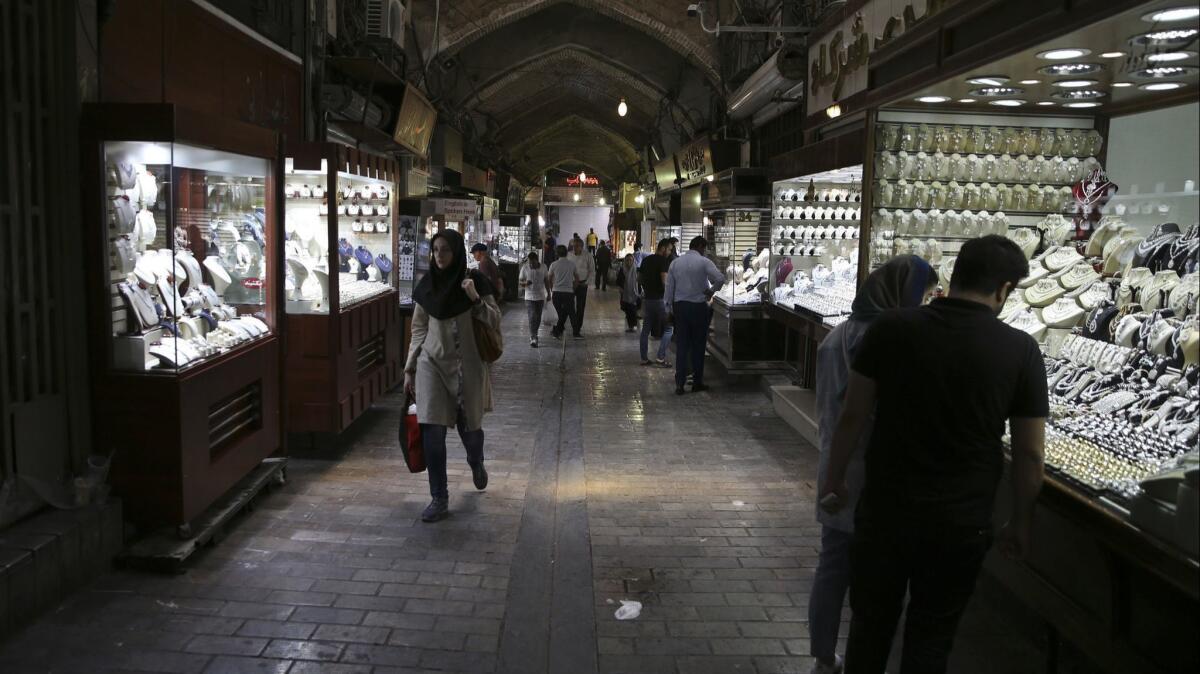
(605, 486)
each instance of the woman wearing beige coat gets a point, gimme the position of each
(444, 373)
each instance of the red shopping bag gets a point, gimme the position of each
(410, 438)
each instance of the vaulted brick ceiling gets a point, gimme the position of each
(540, 80)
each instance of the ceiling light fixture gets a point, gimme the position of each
(1046, 103)
(1075, 84)
(1008, 103)
(833, 111)
(1079, 95)
(641, 198)
(1165, 72)
(622, 109)
(711, 178)
(1083, 104)
(1112, 54)
(989, 80)
(1176, 37)
(997, 91)
(966, 100)
(1118, 85)
(576, 197)
(1060, 69)
(1063, 54)
(602, 202)
(1162, 86)
(582, 177)
(1031, 81)
(933, 99)
(1169, 56)
(1173, 14)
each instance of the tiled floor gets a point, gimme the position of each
(605, 486)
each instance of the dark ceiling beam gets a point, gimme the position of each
(634, 127)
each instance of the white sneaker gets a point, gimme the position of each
(835, 668)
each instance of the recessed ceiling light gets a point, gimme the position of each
(966, 100)
(1060, 69)
(1168, 56)
(1162, 86)
(1084, 104)
(1164, 72)
(1031, 81)
(1075, 84)
(1112, 54)
(1122, 84)
(1173, 14)
(1176, 37)
(1008, 102)
(1063, 54)
(997, 91)
(933, 99)
(1046, 103)
(989, 80)
(1078, 95)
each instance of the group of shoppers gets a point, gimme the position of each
(913, 401)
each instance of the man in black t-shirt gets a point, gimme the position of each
(942, 380)
(653, 275)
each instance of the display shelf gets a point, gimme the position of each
(185, 305)
(1000, 138)
(342, 248)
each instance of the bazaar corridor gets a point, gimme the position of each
(605, 486)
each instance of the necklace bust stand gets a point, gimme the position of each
(323, 281)
(300, 274)
(218, 275)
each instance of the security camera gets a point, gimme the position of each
(778, 41)
(694, 10)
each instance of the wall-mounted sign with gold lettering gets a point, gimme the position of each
(838, 61)
(695, 161)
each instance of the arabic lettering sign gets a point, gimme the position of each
(695, 161)
(838, 61)
(591, 181)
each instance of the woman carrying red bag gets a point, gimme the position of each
(444, 372)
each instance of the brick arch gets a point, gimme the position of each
(573, 137)
(497, 14)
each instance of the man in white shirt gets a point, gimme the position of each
(692, 280)
(532, 280)
(563, 278)
(585, 267)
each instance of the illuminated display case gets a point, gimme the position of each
(185, 309)
(344, 348)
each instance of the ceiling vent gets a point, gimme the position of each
(385, 19)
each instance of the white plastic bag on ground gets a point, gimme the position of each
(549, 315)
(629, 610)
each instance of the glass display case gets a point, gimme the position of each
(187, 242)
(512, 241)
(345, 264)
(735, 250)
(180, 221)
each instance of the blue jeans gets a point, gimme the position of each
(655, 320)
(829, 593)
(533, 308)
(691, 338)
(433, 439)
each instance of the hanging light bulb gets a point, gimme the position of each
(622, 109)
(582, 177)
(576, 197)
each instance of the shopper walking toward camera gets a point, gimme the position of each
(445, 374)
(904, 281)
(653, 276)
(942, 380)
(563, 278)
(692, 280)
(533, 282)
(585, 267)
(631, 292)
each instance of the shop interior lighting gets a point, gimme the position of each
(1165, 72)
(1045, 103)
(834, 111)
(1008, 102)
(711, 178)
(966, 100)
(933, 99)
(602, 201)
(1175, 37)
(997, 91)
(1112, 54)
(1075, 84)
(1083, 104)
(1061, 69)
(1079, 95)
(1031, 81)
(1122, 84)
(1169, 56)
(622, 109)
(576, 197)
(1173, 14)
(989, 80)
(582, 177)
(1162, 86)
(1064, 54)
(641, 198)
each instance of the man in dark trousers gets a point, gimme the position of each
(941, 380)
(692, 280)
(603, 264)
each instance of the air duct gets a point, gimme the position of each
(765, 84)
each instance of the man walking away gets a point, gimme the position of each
(653, 275)
(585, 270)
(488, 268)
(591, 240)
(562, 279)
(631, 292)
(692, 280)
(603, 264)
(941, 380)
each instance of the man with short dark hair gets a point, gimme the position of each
(585, 265)
(692, 280)
(941, 380)
(488, 268)
(562, 278)
(638, 255)
(653, 276)
(603, 264)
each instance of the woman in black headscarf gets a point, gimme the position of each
(905, 281)
(444, 372)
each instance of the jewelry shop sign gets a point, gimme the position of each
(838, 61)
(695, 161)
